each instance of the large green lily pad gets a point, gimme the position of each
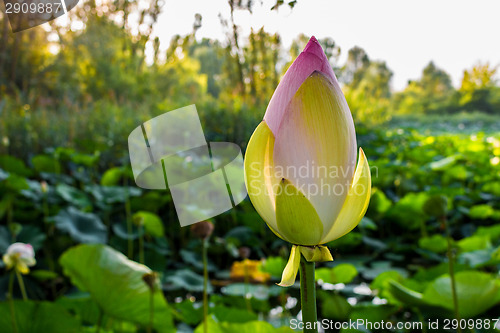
(116, 284)
(477, 292)
(37, 317)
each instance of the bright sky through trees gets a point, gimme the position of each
(455, 34)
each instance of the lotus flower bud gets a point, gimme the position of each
(203, 229)
(151, 279)
(300, 162)
(44, 186)
(244, 252)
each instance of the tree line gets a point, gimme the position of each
(105, 63)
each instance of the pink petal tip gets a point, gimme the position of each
(314, 47)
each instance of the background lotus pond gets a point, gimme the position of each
(392, 267)
(111, 257)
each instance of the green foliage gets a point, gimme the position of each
(476, 292)
(436, 206)
(44, 163)
(187, 280)
(112, 177)
(188, 313)
(335, 307)
(232, 315)
(408, 211)
(14, 165)
(274, 266)
(151, 222)
(73, 195)
(82, 227)
(435, 243)
(478, 90)
(259, 292)
(343, 273)
(37, 317)
(65, 179)
(249, 327)
(116, 284)
(481, 212)
(401, 238)
(474, 243)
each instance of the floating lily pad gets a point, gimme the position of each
(82, 227)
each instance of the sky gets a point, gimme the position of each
(407, 35)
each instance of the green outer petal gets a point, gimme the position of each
(291, 268)
(259, 175)
(296, 217)
(318, 253)
(355, 206)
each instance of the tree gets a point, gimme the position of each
(261, 59)
(210, 54)
(433, 92)
(356, 64)
(435, 81)
(366, 86)
(479, 90)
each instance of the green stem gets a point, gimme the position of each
(21, 285)
(284, 315)
(10, 218)
(245, 284)
(451, 271)
(128, 217)
(308, 296)
(422, 320)
(99, 321)
(46, 247)
(151, 310)
(45, 208)
(11, 302)
(205, 285)
(141, 245)
(423, 229)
